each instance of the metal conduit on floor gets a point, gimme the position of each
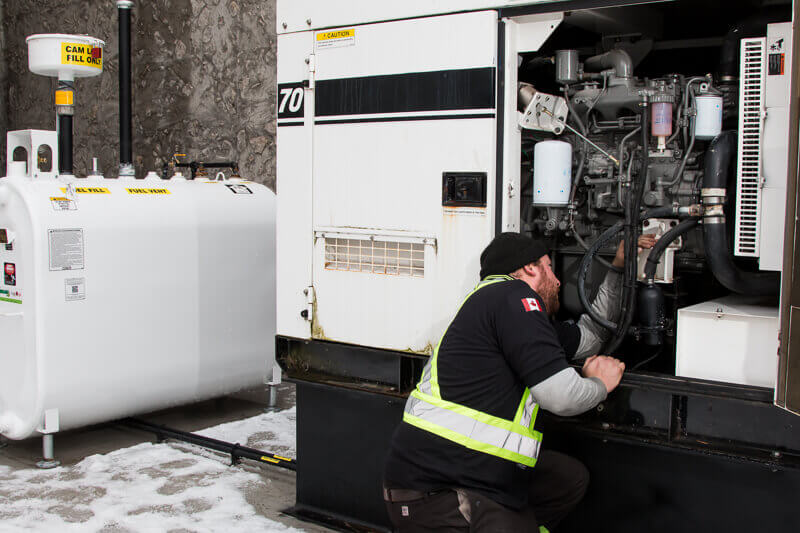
(236, 451)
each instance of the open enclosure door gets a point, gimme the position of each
(787, 393)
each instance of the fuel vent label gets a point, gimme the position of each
(66, 249)
(62, 203)
(148, 191)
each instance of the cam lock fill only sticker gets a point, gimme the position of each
(84, 55)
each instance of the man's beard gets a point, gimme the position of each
(549, 293)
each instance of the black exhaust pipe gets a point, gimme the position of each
(717, 168)
(125, 108)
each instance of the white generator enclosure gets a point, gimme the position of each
(387, 165)
(126, 296)
(410, 135)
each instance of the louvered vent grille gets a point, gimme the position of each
(376, 257)
(751, 129)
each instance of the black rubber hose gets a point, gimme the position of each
(632, 240)
(717, 168)
(586, 262)
(658, 249)
(125, 106)
(583, 269)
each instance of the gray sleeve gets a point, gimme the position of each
(606, 303)
(566, 393)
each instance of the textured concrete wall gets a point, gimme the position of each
(204, 81)
(3, 94)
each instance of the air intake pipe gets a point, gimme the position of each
(619, 60)
(125, 108)
(717, 169)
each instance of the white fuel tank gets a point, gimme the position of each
(126, 296)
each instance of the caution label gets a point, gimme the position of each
(61, 203)
(336, 38)
(84, 55)
(148, 191)
(89, 190)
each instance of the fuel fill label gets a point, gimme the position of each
(84, 55)
(66, 249)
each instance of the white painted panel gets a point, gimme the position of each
(386, 178)
(293, 186)
(388, 175)
(301, 15)
(775, 149)
(437, 43)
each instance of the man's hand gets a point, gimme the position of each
(645, 241)
(608, 369)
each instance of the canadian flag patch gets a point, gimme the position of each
(531, 304)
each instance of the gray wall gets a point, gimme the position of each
(204, 81)
(3, 94)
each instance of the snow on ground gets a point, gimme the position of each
(149, 487)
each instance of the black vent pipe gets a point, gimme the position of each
(125, 108)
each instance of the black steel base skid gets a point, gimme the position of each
(665, 454)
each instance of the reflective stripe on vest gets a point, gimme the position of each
(514, 440)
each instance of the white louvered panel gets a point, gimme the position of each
(751, 131)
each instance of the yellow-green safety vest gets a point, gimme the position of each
(514, 440)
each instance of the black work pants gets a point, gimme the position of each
(558, 483)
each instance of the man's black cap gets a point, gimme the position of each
(508, 252)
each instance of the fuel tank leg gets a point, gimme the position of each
(273, 393)
(48, 459)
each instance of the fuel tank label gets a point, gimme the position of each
(62, 203)
(238, 189)
(66, 249)
(10, 274)
(75, 289)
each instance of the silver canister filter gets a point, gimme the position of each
(566, 66)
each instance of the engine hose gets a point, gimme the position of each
(586, 262)
(631, 240)
(658, 250)
(583, 269)
(717, 168)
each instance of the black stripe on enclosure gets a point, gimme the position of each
(401, 119)
(442, 90)
(499, 159)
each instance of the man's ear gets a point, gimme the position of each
(531, 270)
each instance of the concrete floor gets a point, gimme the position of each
(269, 499)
